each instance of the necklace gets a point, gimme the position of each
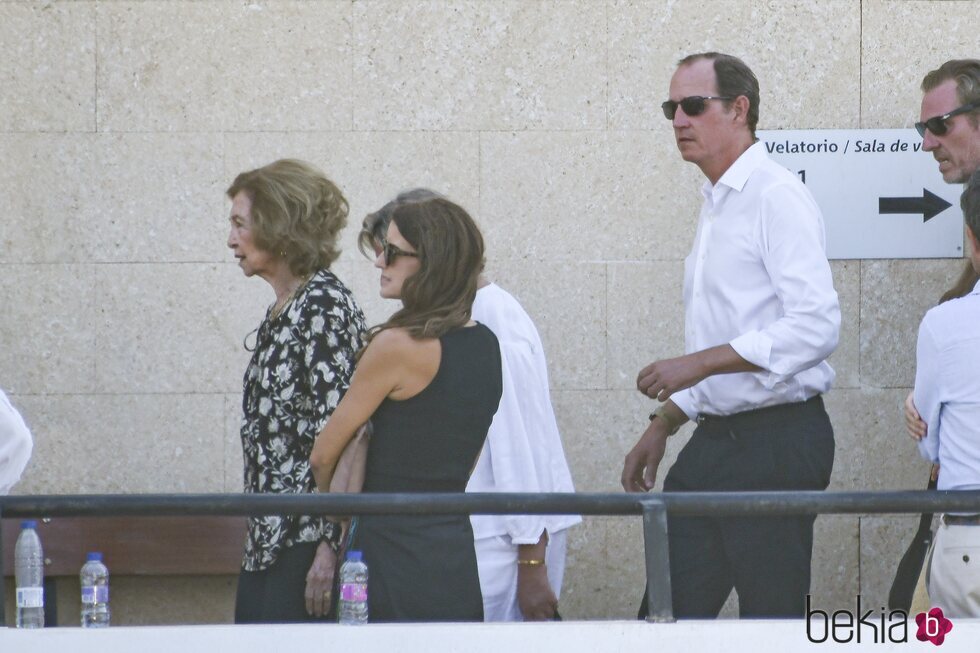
(278, 307)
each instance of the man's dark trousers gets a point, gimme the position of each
(766, 559)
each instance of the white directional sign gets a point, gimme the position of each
(880, 194)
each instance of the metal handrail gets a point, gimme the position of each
(653, 507)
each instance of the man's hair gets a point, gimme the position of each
(966, 73)
(375, 225)
(297, 213)
(970, 203)
(734, 78)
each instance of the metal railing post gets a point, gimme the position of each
(659, 602)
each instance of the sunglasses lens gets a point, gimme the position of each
(670, 108)
(693, 106)
(936, 125)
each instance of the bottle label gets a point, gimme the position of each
(30, 597)
(353, 592)
(92, 594)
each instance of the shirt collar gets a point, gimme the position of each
(739, 172)
(976, 289)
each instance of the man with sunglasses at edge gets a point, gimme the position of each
(761, 317)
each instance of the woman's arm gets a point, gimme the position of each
(379, 373)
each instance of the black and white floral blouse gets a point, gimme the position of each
(301, 367)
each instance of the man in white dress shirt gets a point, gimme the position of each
(521, 558)
(15, 444)
(947, 394)
(761, 317)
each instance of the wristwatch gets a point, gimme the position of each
(661, 412)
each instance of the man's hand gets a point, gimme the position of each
(913, 421)
(663, 378)
(640, 467)
(534, 594)
(319, 581)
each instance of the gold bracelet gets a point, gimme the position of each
(530, 563)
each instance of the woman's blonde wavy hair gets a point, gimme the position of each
(439, 297)
(297, 213)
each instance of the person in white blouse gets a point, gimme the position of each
(947, 394)
(15, 444)
(761, 318)
(521, 558)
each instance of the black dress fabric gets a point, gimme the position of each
(423, 568)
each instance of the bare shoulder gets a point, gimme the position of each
(396, 345)
(393, 340)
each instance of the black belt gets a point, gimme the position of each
(961, 520)
(767, 411)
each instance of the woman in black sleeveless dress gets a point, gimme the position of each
(430, 381)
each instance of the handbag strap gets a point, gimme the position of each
(925, 521)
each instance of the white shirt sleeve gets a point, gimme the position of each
(792, 243)
(523, 451)
(15, 444)
(685, 401)
(928, 392)
(516, 430)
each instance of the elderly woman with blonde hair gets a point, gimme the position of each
(285, 219)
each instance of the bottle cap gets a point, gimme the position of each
(94, 555)
(354, 555)
(28, 523)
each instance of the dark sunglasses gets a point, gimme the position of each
(392, 252)
(937, 124)
(693, 105)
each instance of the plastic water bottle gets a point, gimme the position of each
(353, 590)
(94, 579)
(29, 573)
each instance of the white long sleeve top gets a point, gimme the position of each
(15, 444)
(947, 390)
(523, 451)
(758, 279)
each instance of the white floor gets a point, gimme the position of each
(725, 636)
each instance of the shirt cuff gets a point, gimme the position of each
(755, 347)
(518, 540)
(685, 401)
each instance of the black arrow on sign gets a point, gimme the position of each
(929, 205)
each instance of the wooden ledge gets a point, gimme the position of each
(136, 546)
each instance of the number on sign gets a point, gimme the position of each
(802, 174)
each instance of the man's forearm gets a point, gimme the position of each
(723, 359)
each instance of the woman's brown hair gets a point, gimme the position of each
(439, 297)
(963, 286)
